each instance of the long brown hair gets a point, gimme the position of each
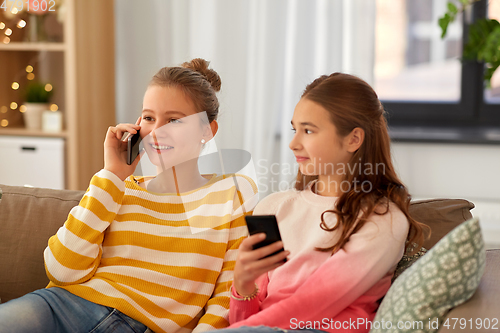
(199, 82)
(351, 103)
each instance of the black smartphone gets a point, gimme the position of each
(133, 142)
(266, 224)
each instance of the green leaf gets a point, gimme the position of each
(452, 8)
(490, 52)
(483, 45)
(488, 73)
(474, 48)
(443, 23)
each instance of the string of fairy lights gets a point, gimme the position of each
(20, 24)
(28, 71)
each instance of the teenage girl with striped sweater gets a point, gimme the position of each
(140, 254)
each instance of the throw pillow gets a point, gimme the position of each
(441, 215)
(445, 277)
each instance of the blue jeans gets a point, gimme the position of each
(57, 310)
(265, 329)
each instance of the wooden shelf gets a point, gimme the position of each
(20, 131)
(82, 71)
(24, 46)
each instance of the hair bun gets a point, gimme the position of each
(201, 66)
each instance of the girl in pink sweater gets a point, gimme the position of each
(344, 227)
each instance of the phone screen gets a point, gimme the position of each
(266, 224)
(133, 142)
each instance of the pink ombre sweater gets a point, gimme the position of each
(314, 289)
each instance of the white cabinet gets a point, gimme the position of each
(32, 161)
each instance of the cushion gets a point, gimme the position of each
(442, 215)
(28, 217)
(446, 276)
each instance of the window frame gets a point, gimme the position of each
(470, 117)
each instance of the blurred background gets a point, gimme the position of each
(98, 56)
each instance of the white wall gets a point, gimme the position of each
(469, 172)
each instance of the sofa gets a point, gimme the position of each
(29, 216)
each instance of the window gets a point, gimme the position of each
(429, 93)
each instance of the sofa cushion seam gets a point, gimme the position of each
(6, 194)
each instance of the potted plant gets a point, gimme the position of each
(483, 42)
(37, 96)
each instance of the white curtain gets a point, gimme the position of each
(266, 52)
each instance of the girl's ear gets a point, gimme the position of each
(214, 126)
(210, 132)
(355, 139)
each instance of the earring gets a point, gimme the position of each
(202, 140)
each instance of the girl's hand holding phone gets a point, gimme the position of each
(115, 150)
(251, 263)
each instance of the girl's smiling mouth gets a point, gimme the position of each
(161, 147)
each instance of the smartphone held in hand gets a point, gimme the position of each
(133, 142)
(266, 224)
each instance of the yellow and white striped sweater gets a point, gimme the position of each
(165, 260)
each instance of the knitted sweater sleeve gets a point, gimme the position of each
(74, 252)
(217, 307)
(347, 275)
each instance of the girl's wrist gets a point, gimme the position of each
(243, 289)
(245, 296)
(117, 174)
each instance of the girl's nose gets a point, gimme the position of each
(160, 129)
(294, 144)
